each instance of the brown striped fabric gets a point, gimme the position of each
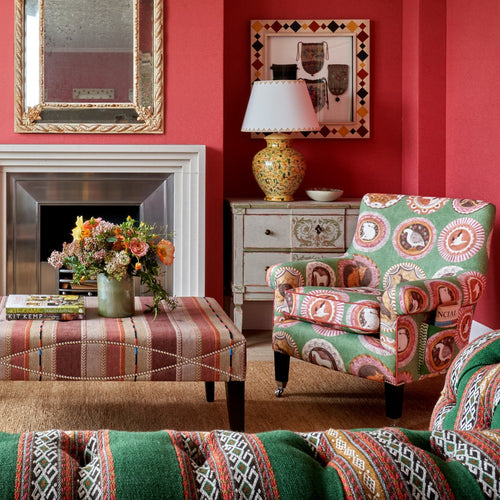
(195, 342)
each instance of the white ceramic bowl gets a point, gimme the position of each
(324, 194)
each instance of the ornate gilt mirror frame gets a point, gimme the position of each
(44, 108)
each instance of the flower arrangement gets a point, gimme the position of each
(117, 251)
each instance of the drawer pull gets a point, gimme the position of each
(318, 229)
(267, 232)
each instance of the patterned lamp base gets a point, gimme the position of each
(278, 168)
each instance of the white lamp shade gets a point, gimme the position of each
(279, 106)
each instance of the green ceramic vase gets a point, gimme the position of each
(115, 299)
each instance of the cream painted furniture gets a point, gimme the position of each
(266, 233)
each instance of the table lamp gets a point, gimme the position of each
(279, 106)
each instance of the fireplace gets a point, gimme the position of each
(164, 185)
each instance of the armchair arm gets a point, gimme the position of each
(426, 295)
(293, 274)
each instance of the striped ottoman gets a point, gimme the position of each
(195, 342)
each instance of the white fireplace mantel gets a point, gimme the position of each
(185, 162)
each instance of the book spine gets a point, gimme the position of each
(44, 310)
(45, 316)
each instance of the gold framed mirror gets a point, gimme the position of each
(89, 67)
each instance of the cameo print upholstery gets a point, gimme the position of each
(398, 305)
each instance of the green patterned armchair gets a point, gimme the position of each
(398, 305)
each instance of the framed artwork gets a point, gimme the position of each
(332, 56)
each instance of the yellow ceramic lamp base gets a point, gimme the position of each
(278, 168)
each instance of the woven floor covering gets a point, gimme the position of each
(195, 342)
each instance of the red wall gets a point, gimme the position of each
(473, 123)
(434, 110)
(423, 109)
(355, 165)
(193, 110)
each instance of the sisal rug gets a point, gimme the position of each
(315, 399)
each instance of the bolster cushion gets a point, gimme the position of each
(355, 310)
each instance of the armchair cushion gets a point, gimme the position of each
(355, 310)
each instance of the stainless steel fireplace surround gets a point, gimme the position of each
(166, 182)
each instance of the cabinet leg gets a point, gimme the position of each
(238, 316)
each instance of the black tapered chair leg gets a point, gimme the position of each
(281, 370)
(394, 401)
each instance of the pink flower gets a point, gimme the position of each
(138, 248)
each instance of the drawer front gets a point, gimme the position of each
(318, 231)
(256, 265)
(266, 231)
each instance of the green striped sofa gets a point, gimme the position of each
(459, 457)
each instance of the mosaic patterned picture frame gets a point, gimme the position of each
(332, 56)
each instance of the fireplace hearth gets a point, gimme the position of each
(164, 185)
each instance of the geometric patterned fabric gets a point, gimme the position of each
(470, 399)
(194, 342)
(383, 463)
(411, 279)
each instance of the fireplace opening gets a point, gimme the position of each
(44, 209)
(58, 221)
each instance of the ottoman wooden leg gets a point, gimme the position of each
(210, 391)
(235, 397)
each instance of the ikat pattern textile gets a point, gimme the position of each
(194, 342)
(421, 263)
(373, 463)
(470, 399)
(381, 463)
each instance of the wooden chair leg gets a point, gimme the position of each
(281, 371)
(210, 391)
(394, 401)
(235, 397)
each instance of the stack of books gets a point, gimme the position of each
(56, 307)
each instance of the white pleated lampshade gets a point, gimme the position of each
(280, 106)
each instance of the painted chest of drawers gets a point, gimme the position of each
(266, 233)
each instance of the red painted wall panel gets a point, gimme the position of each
(207, 88)
(473, 124)
(356, 165)
(193, 104)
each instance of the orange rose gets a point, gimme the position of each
(138, 266)
(165, 251)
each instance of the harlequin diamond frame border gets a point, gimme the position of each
(264, 32)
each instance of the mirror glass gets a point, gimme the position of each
(89, 67)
